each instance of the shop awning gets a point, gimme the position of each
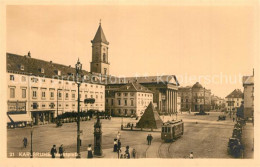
(18, 118)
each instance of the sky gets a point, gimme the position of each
(213, 44)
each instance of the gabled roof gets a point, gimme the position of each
(237, 93)
(165, 79)
(100, 36)
(133, 87)
(32, 66)
(150, 118)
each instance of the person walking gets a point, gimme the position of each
(118, 135)
(61, 151)
(151, 138)
(134, 153)
(119, 145)
(127, 152)
(191, 155)
(53, 151)
(90, 154)
(115, 145)
(148, 139)
(233, 119)
(24, 142)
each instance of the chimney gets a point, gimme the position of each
(29, 54)
(253, 71)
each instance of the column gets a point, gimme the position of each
(176, 100)
(167, 100)
(172, 101)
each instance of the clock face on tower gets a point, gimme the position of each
(97, 130)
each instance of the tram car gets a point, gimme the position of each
(172, 130)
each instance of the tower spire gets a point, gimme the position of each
(99, 21)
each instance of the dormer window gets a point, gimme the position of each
(42, 70)
(22, 67)
(58, 72)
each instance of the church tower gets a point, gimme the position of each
(99, 62)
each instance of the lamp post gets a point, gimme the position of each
(78, 68)
(31, 156)
(57, 103)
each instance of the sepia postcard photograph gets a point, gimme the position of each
(130, 83)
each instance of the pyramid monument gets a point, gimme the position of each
(150, 119)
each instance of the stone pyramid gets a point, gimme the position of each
(150, 119)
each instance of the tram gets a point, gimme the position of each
(172, 130)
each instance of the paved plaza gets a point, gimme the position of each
(205, 136)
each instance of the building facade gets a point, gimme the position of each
(128, 100)
(164, 90)
(248, 84)
(217, 103)
(195, 98)
(234, 100)
(42, 90)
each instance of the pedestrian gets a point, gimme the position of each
(148, 139)
(118, 135)
(132, 126)
(24, 142)
(61, 151)
(90, 154)
(119, 145)
(115, 145)
(127, 152)
(151, 138)
(233, 119)
(134, 153)
(53, 151)
(191, 155)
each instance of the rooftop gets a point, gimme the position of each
(237, 93)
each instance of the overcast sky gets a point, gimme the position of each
(216, 42)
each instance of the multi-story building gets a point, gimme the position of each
(44, 89)
(234, 100)
(164, 90)
(195, 98)
(184, 93)
(127, 100)
(217, 102)
(248, 84)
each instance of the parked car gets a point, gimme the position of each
(234, 147)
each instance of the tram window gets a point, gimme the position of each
(162, 129)
(169, 129)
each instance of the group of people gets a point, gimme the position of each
(117, 148)
(149, 139)
(61, 151)
(54, 151)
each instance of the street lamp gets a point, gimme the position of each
(31, 156)
(78, 68)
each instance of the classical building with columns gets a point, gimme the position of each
(164, 90)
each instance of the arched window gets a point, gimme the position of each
(104, 57)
